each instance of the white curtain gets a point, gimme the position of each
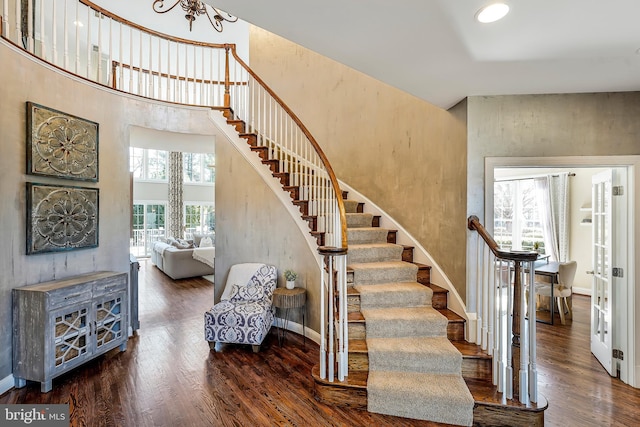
(553, 193)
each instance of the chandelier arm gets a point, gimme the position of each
(229, 18)
(217, 25)
(158, 9)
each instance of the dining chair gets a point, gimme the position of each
(562, 290)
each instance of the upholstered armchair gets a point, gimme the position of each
(244, 314)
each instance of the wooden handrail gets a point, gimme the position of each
(314, 143)
(116, 64)
(473, 223)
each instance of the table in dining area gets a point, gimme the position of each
(548, 269)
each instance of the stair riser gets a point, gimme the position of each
(424, 275)
(439, 300)
(472, 367)
(407, 254)
(477, 368)
(358, 362)
(357, 236)
(362, 277)
(329, 394)
(357, 331)
(455, 331)
(374, 255)
(353, 304)
(483, 414)
(359, 220)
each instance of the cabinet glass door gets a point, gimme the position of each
(109, 320)
(71, 329)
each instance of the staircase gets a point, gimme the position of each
(375, 259)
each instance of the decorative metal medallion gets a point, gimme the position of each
(61, 218)
(61, 145)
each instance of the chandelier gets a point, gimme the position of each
(194, 8)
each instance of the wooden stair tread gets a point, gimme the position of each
(470, 350)
(422, 265)
(358, 346)
(355, 379)
(352, 291)
(355, 316)
(437, 289)
(451, 315)
(487, 394)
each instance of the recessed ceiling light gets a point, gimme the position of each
(492, 13)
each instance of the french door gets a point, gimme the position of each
(608, 307)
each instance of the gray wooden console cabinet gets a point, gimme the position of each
(61, 324)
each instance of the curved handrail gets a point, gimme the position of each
(312, 140)
(473, 223)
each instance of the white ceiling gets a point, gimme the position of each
(435, 50)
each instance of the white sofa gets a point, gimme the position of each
(178, 263)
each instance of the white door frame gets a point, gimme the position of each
(630, 366)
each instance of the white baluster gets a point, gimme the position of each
(54, 32)
(30, 40)
(323, 323)
(509, 368)
(533, 368)
(77, 51)
(43, 44)
(150, 77)
(89, 43)
(18, 22)
(524, 342)
(5, 18)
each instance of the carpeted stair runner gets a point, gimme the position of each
(414, 370)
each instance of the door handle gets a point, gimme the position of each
(589, 272)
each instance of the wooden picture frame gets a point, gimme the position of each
(61, 145)
(61, 218)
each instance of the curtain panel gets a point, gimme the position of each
(174, 228)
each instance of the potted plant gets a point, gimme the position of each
(290, 276)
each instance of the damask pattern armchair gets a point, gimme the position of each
(244, 314)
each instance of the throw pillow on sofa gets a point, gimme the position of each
(182, 244)
(206, 242)
(197, 239)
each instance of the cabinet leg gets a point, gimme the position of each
(123, 346)
(46, 386)
(19, 382)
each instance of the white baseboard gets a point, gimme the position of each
(6, 384)
(581, 291)
(297, 328)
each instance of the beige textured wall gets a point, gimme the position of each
(252, 225)
(592, 124)
(23, 79)
(404, 154)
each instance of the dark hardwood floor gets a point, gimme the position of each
(168, 376)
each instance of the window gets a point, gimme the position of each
(148, 226)
(517, 221)
(199, 218)
(198, 167)
(147, 164)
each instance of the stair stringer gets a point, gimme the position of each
(420, 255)
(231, 134)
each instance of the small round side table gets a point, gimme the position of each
(288, 299)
